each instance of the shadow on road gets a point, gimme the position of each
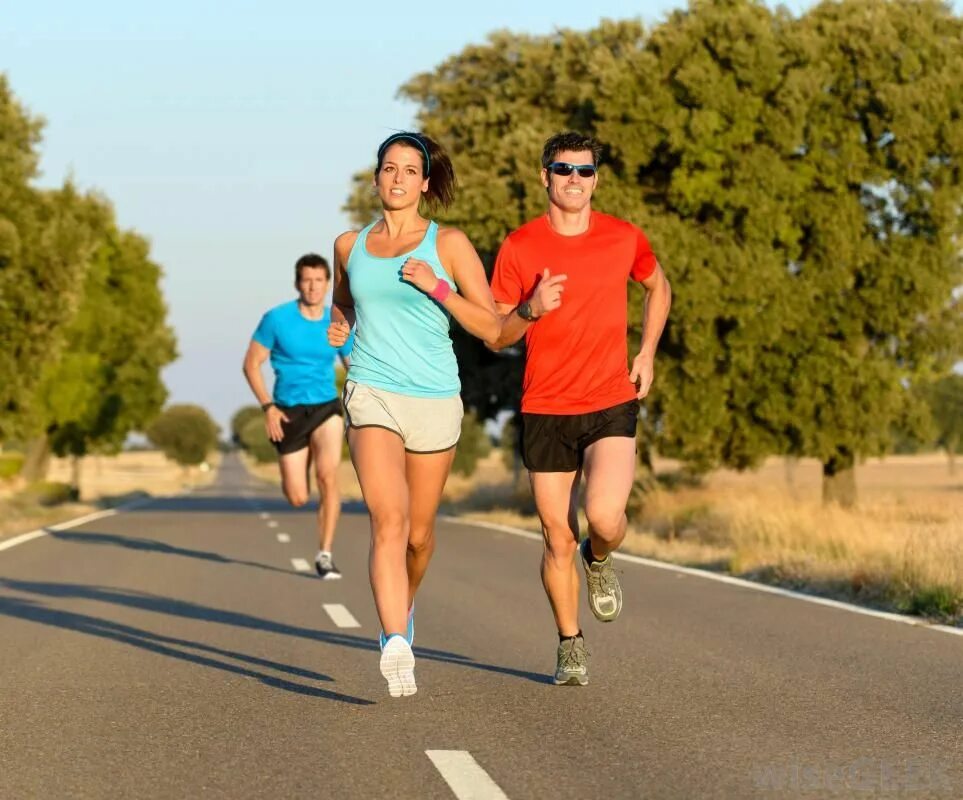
(165, 645)
(194, 611)
(202, 502)
(153, 546)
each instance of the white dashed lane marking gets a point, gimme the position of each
(340, 616)
(464, 776)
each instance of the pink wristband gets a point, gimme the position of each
(441, 291)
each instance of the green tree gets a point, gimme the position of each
(881, 252)
(107, 381)
(473, 444)
(81, 314)
(240, 420)
(254, 440)
(185, 433)
(800, 179)
(46, 239)
(945, 400)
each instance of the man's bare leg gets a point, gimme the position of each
(556, 500)
(609, 473)
(294, 476)
(326, 456)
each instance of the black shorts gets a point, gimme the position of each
(304, 420)
(557, 442)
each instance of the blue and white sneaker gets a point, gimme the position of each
(409, 631)
(398, 666)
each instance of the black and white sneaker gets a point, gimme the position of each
(325, 567)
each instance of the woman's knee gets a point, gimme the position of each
(421, 538)
(389, 524)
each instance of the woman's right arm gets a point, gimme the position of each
(342, 305)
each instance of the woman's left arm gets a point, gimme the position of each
(473, 305)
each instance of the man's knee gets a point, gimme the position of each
(328, 482)
(297, 497)
(560, 541)
(605, 523)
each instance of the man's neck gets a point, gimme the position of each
(569, 223)
(311, 312)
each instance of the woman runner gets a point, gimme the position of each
(398, 282)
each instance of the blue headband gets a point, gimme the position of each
(411, 138)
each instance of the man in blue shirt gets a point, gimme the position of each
(303, 418)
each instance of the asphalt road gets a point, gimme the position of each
(176, 651)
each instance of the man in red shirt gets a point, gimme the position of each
(561, 280)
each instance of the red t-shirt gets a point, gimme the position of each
(577, 355)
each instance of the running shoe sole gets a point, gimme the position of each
(572, 680)
(398, 667)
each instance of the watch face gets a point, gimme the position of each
(525, 311)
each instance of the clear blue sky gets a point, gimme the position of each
(228, 132)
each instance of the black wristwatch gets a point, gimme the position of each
(266, 406)
(524, 310)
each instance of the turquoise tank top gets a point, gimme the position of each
(402, 342)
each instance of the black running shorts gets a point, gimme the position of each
(303, 421)
(557, 442)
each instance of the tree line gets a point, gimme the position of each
(800, 178)
(82, 318)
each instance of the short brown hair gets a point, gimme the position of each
(311, 260)
(570, 140)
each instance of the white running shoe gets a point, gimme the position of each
(398, 666)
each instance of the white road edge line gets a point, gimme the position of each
(283, 538)
(741, 582)
(300, 565)
(72, 523)
(464, 776)
(272, 524)
(340, 615)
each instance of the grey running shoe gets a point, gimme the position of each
(325, 567)
(572, 666)
(604, 591)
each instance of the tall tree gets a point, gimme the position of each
(800, 179)
(880, 255)
(46, 239)
(107, 382)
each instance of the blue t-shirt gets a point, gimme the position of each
(302, 359)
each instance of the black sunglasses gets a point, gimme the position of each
(564, 169)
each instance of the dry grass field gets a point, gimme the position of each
(104, 481)
(900, 549)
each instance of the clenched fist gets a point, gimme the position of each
(419, 274)
(338, 333)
